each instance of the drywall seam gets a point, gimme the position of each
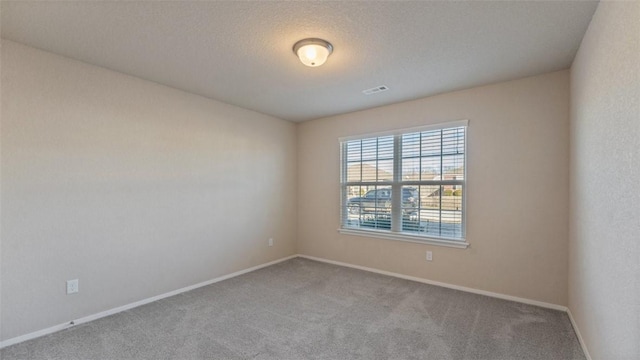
(55, 328)
(441, 284)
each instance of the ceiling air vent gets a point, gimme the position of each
(375, 90)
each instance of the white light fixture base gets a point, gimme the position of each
(313, 52)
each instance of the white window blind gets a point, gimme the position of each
(408, 182)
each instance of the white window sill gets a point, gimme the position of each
(382, 234)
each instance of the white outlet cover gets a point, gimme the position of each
(429, 256)
(72, 286)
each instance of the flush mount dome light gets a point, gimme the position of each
(313, 52)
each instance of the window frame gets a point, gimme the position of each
(396, 185)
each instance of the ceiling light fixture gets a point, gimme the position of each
(313, 52)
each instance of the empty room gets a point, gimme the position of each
(446, 180)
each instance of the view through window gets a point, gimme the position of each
(410, 182)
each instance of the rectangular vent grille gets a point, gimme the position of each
(375, 90)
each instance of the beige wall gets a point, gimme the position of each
(604, 263)
(517, 189)
(134, 188)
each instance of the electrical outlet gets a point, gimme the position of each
(270, 241)
(429, 256)
(72, 286)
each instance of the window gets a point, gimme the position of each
(407, 185)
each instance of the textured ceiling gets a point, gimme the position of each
(240, 52)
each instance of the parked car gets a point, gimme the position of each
(378, 202)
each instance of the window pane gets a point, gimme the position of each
(368, 207)
(439, 212)
(410, 208)
(385, 158)
(431, 168)
(453, 167)
(385, 147)
(370, 160)
(433, 155)
(411, 145)
(354, 150)
(431, 144)
(385, 170)
(369, 149)
(350, 210)
(411, 169)
(453, 141)
(354, 172)
(354, 160)
(369, 171)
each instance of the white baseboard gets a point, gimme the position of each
(102, 314)
(55, 328)
(580, 339)
(441, 284)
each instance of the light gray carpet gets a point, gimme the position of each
(302, 309)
